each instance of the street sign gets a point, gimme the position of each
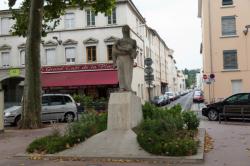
(212, 76)
(14, 72)
(204, 76)
(149, 77)
(148, 70)
(148, 61)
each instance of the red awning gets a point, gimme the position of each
(65, 79)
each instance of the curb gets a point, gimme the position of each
(195, 159)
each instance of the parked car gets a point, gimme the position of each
(212, 110)
(170, 95)
(59, 107)
(198, 96)
(160, 100)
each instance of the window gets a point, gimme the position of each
(5, 26)
(109, 49)
(22, 57)
(227, 2)
(228, 25)
(90, 18)
(56, 100)
(67, 99)
(230, 59)
(91, 53)
(5, 59)
(70, 54)
(50, 56)
(69, 20)
(112, 17)
(45, 100)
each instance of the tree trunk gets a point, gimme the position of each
(31, 114)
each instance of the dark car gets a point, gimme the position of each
(212, 110)
(198, 97)
(160, 100)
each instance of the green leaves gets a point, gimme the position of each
(52, 11)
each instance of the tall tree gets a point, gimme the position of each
(33, 20)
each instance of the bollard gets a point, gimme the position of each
(1, 111)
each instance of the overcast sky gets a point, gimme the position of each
(176, 22)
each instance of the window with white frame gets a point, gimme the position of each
(227, 2)
(5, 26)
(91, 53)
(22, 57)
(109, 51)
(69, 20)
(5, 59)
(230, 59)
(50, 56)
(90, 17)
(112, 17)
(228, 24)
(70, 54)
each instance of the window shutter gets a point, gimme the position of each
(230, 59)
(5, 59)
(51, 56)
(228, 26)
(227, 2)
(22, 58)
(5, 26)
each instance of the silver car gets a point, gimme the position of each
(55, 107)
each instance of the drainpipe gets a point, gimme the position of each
(1, 109)
(210, 49)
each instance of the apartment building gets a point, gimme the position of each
(76, 56)
(225, 47)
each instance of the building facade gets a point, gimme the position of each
(225, 47)
(76, 56)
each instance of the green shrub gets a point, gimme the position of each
(180, 147)
(49, 144)
(86, 101)
(88, 125)
(148, 110)
(162, 132)
(191, 120)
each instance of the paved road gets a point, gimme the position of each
(185, 102)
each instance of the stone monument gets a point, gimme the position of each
(1, 109)
(123, 54)
(124, 110)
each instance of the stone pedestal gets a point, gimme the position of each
(124, 111)
(119, 140)
(1, 111)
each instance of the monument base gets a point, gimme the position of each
(124, 111)
(119, 140)
(109, 143)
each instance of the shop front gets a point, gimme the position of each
(96, 80)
